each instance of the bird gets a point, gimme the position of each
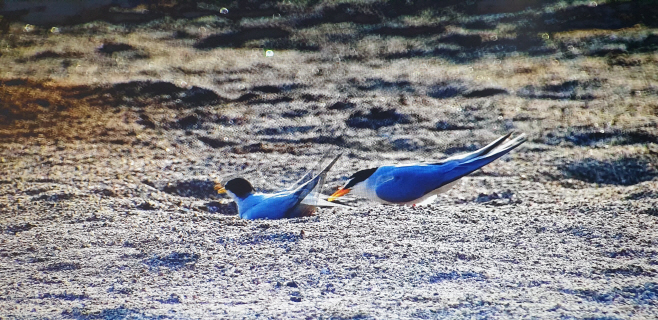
(289, 203)
(419, 183)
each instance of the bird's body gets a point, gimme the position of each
(271, 206)
(420, 183)
(288, 203)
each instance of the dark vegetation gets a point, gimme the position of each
(377, 118)
(382, 18)
(621, 171)
(173, 260)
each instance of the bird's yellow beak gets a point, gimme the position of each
(341, 192)
(220, 189)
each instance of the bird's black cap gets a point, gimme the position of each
(359, 176)
(239, 186)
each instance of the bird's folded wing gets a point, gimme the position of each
(477, 153)
(452, 170)
(316, 172)
(308, 175)
(303, 191)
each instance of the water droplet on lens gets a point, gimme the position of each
(223, 11)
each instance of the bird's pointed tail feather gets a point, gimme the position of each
(482, 151)
(469, 164)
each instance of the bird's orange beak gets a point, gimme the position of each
(341, 192)
(220, 189)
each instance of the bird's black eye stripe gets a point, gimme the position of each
(359, 176)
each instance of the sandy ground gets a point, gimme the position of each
(109, 156)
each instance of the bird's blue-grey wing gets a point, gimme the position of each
(308, 175)
(314, 197)
(457, 167)
(407, 183)
(477, 153)
(273, 206)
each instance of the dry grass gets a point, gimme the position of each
(623, 97)
(41, 109)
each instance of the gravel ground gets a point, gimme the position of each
(89, 245)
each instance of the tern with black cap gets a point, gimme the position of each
(420, 183)
(289, 203)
